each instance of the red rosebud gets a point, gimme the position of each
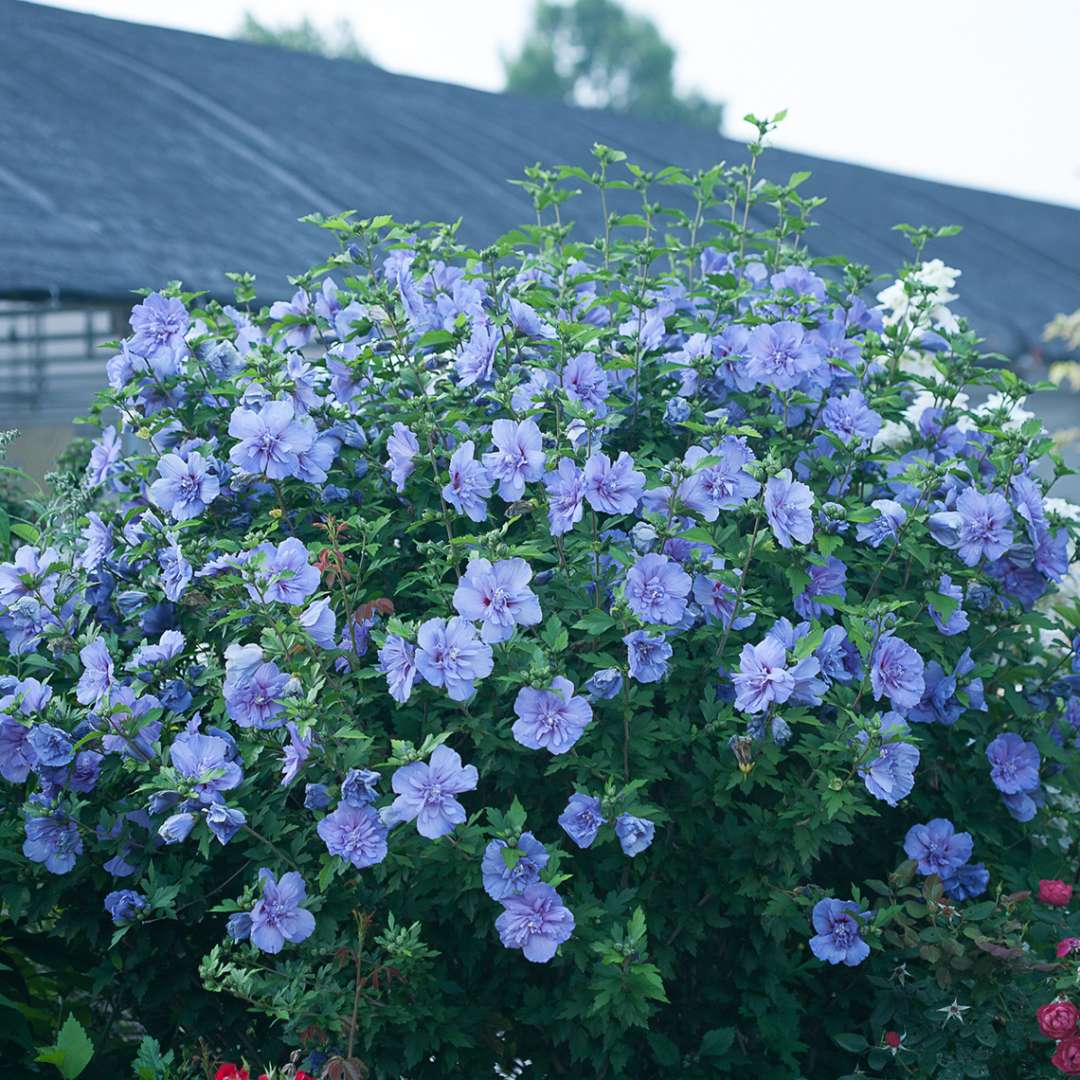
(892, 1038)
(1068, 945)
(1055, 893)
(229, 1071)
(1066, 1057)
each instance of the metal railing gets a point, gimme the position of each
(50, 360)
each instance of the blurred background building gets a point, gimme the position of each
(131, 155)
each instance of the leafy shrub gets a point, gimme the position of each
(631, 657)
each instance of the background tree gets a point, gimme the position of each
(305, 36)
(593, 53)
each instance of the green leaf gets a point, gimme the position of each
(515, 816)
(72, 1051)
(855, 1043)
(717, 1042)
(595, 622)
(25, 532)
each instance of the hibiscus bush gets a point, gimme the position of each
(636, 656)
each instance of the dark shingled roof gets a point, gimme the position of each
(130, 155)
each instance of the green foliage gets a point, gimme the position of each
(594, 53)
(341, 43)
(691, 958)
(71, 1052)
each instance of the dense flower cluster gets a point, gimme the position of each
(663, 561)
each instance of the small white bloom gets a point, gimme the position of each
(1015, 413)
(955, 1011)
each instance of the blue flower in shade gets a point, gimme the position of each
(787, 506)
(891, 515)
(176, 828)
(54, 841)
(977, 527)
(475, 361)
(402, 449)
(536, 922)
(839, 932)
(958, 621)
(185, 487)
(51, 746)
(518, 456)
(355, 833)
(97, 542)
(469, 486)
(581, 820)
(717, 599)
(1014, 764)
(1023, 806)
(167, 648)
(896, 671)
(967, 882)
(176, 571)
(224, 822)
(297, 334)
(586, 382)
(449, 654)
(635, 834)
(316, 797)
(270, 440)
(97, 676)
(566, 496)
(612, 488)
(319, 620)
(360, 787)
(498, 597)
(723, 485)
(781, 354)
(205, 760)
(827, 580)
(656, 589)
(939, 701)
(937, 847)
(647, 656)
(296, 753)
(17, 757)
(159, 324)
(124, 905)
(850, 418)
(238, 926)
(426, 793)
(253, 689)
(550, 719)
(284, 573)
(605, 684)
(838, 656)
(891, 775)
(763, 677)
(397, 661)
(278, 917)
(503, 876)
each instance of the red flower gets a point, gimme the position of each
(1068, 945)
(1057, 1019)
(229, 1071)
(1066, 1057)
(892, 1038)
(1055, 893)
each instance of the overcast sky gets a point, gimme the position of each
(978, 92)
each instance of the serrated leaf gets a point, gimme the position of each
(72, 1051)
